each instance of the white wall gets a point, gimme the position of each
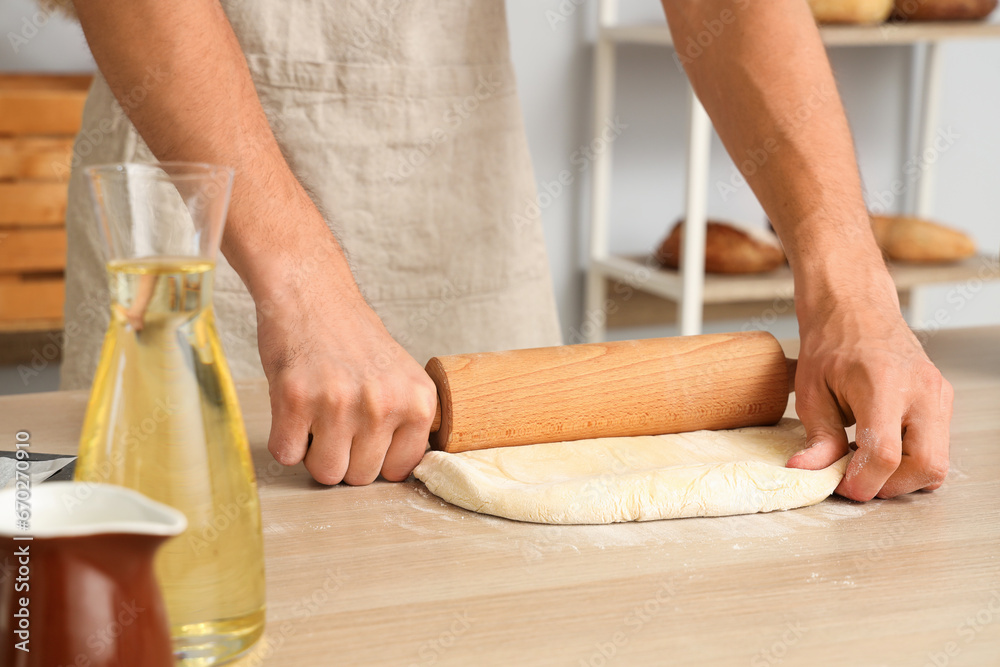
(36, 41)
(553, 61)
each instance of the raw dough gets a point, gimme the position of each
(606, 480)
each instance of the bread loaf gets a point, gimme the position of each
(728, 249)
(851, 11)
(943, 10)
(907, 239)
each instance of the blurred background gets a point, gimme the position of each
(553, 51)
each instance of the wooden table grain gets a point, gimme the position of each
(389, 575)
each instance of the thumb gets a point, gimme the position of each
(826, 439)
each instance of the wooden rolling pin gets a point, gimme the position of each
(597, 390)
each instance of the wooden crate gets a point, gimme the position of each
(32, 250)
(39, 117)
(42, 104)
(35, 158)
(32, 296)
(30, 203)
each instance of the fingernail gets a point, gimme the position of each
(808, 447)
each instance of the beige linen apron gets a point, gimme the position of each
(402, 119)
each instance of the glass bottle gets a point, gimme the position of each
(163, 417)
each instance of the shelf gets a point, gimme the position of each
(643, 273)
(34, 343)
(835, 35)
(635, 308)
(699, 297)
(31, 325)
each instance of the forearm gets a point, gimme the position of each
(766, 83)
(205, 109)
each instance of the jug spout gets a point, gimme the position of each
(78, 584)
(79, 509)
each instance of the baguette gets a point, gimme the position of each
(851, 11)
(943, 10)
(906, 239)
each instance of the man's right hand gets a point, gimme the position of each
(337, 377)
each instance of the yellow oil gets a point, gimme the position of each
(163, 419)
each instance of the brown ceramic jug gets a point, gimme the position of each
(77, 585)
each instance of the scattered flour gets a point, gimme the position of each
(280, 528)
(537, 539)
(416, 510)
(817, 578)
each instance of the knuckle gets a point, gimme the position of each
(930, 377)
(858, 494)
(396, 473)
(931, 466)
(291, 394)
(328, 478)
(947, 394)
(360, 477)
(325, 474)
(339, 396)
(948, 389)
(425, 404)
(886, 457)
(936, 469)
(377, 401)
(282, 453)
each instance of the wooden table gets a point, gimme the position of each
(389, 575)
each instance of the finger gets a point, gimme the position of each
(378, 421)
(405, 451)
(330, 452)
(289, 436)
(879, 441)
(409, 442)
(367, 454)
(383, 408)
(826, 439)
(924, 464)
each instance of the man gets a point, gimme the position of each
(351, 100)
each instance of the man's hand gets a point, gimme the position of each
(861, 364)
(337, 377)
(761, 72)
(334, 371)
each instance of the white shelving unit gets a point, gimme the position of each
(690, 287)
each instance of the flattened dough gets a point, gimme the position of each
(607, 480)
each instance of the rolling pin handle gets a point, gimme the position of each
(436, 424)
